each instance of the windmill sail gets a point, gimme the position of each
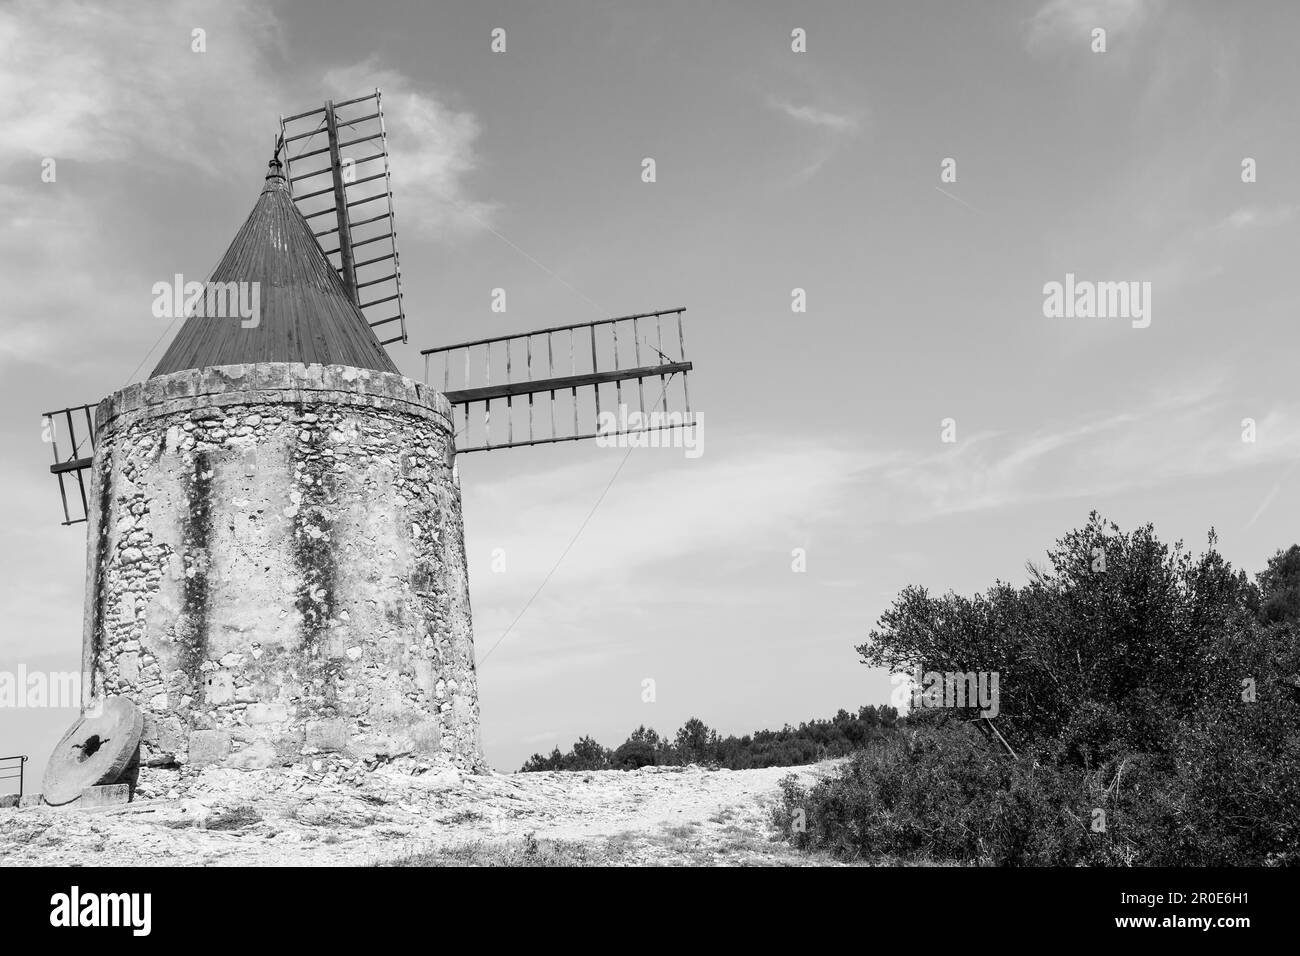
(588, 380)
(73, 463)
(337, 164)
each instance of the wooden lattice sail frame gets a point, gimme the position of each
(336, 159)
(645, 354)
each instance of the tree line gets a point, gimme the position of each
(697, 743)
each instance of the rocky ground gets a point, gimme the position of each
(656, 815)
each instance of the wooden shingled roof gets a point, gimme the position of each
(305, 312)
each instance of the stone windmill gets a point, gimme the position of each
(276, 570)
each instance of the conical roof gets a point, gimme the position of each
(305, 314)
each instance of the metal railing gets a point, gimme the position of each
(13, 772)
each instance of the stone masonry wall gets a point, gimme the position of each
(276, 570)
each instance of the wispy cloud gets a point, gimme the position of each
(752, 498)
(205, 115)
(831, 129)
(813, 116)
(1062, 23)
(41, 231)
(746, 493)
(67, 98)
(1195, 255)
(1177, 434)
(432, 146)
(1248, 217)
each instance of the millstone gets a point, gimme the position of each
(97, 750)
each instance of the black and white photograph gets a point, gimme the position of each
(700, 434)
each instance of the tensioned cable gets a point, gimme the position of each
(577, 534)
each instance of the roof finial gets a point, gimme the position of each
(275, 171)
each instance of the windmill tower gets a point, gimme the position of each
(276, 568)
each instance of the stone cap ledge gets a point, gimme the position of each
(272, 383)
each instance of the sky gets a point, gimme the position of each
(776, 170)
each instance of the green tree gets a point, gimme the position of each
(641, 749)
(537, 762)
(1107, 645)
(587, 754)
(696, 742)
(1279, 587)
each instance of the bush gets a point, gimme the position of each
(633, 755)
(1152, 699)
(935, 793)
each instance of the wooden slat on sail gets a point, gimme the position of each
(653, 413)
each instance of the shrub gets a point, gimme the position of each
(1152, 698)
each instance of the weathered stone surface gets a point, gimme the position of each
(301, 565)
(31, 800)
(427, 736)
(327, 735)
(219, 687)
(258, 755)
(128, 666)
(209, 747)
(108, 795)
(448, 779)
(163, 740)
(273, 713)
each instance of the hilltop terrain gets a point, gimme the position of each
(655, 815)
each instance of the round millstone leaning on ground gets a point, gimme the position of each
(97, 750)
